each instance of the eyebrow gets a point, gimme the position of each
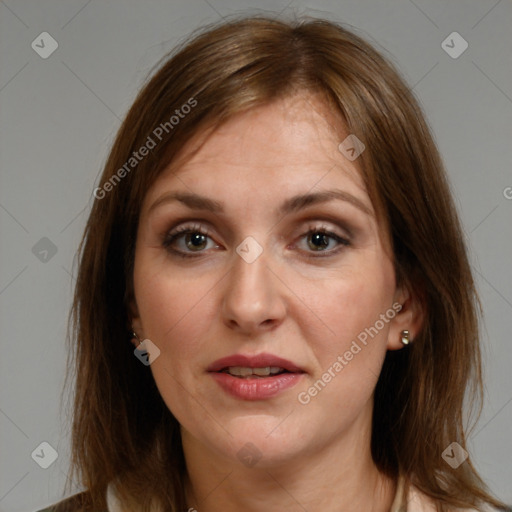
(291, 205)
(302, 201)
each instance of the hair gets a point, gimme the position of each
(122, 431)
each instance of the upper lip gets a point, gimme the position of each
(254, 361)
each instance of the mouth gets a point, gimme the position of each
(257, 377)
(254, 366)
(246, 372)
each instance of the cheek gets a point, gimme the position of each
(346, 304)
(175, 311)
(351, 350)
(356, 306)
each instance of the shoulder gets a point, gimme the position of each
(420, 502)
(76, 503)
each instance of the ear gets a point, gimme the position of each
(135, 321)
(410, 317)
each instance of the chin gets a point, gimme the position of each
(265, 443)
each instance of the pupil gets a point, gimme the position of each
(319, 241)
(196, 241)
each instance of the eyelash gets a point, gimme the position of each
(197, 229)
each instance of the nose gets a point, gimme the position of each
(254, 298)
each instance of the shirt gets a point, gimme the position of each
(413, 501)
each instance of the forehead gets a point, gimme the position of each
(286, 147)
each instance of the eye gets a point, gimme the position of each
(322, 240)
(188, 239)
(193, 241)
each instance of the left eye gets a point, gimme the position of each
(319, 240)
(195, 241)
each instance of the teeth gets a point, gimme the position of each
(262, 372)
(242, 371)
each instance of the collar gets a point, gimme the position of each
(406, 500)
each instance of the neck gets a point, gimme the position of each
(338, 477)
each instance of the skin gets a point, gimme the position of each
(289, 302)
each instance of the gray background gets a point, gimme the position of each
(59, 115)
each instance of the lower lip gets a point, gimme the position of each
(255, 388)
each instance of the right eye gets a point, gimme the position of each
(186, 240)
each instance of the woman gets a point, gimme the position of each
(274, 233)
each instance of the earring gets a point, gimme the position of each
(133, 334)
(405, 337)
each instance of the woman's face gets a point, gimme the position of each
(264, 246)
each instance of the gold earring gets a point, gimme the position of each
(405, 337)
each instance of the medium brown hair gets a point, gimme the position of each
(122, 430)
